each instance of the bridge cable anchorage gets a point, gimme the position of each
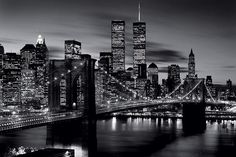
(192, 89)
(209, 93)
(173, 91)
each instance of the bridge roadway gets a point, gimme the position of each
(116, 107)
(17, 121)
(31, 120)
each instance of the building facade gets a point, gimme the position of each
(191, 65)
(105, 61)
(28, 87)
(41, 64)
(72, 49)
(118, 45)
(11, 82)
(153, 73)
(173, 79)
(1, 72)
(139, 44)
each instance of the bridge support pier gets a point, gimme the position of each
(194, 120)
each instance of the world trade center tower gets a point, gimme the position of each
(139, 43)
(118, 45)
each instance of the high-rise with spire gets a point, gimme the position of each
(41, 61)
(191, 65)
(139, 42)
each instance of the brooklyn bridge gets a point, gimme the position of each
(190, 103)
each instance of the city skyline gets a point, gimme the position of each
(172, 30)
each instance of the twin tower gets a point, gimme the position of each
(118, 44)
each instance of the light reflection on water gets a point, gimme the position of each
(146, 137)
(113, 124)
(140, 137)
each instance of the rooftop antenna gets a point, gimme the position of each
(139, 12)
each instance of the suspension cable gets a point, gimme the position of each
(209, 93)
(174, 90)
(192, 90)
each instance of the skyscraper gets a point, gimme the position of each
(27, 86)
(1, 70)
(41, 62)
(174, 73)
(173, 76)
(142, 71)
(139, 43)
(210, 86)
(229, 88)
(153, 77)
(153, 73)
(72, 49)
(28, 53)
(12, 79)
(191, 65)
(209, 81)
(106, 61)
(1, 59)
(118, 45)
(28, 73)
(33, 64)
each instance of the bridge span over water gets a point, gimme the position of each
(190, 101)
(45, 118)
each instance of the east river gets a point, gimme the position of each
(127, 137)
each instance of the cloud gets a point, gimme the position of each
(165, 69)
(165, 55)
(58, 34)
(229, 67)
(154, 45)
(56, 52)
(10, 41)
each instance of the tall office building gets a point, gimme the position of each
(153, 73)
(118, 45)
(173, 77)
(1, 70)
(11, 79)
(191, 65)
(41, 62)
(27, 86)
(174, 73)
(28, 73)
(229, 88)
(209, 81)
(72, 49)
(142, 71)
(105, 61)
(1, 59)
(28, 56)
(41, 55)
(139, 43)
(155, 89)
(33, 64)
(210, 86)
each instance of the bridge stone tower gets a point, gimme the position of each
(194, 120)
(71, 85)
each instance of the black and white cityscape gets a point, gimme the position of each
(107, 78)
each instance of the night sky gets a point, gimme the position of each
(173, 28)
